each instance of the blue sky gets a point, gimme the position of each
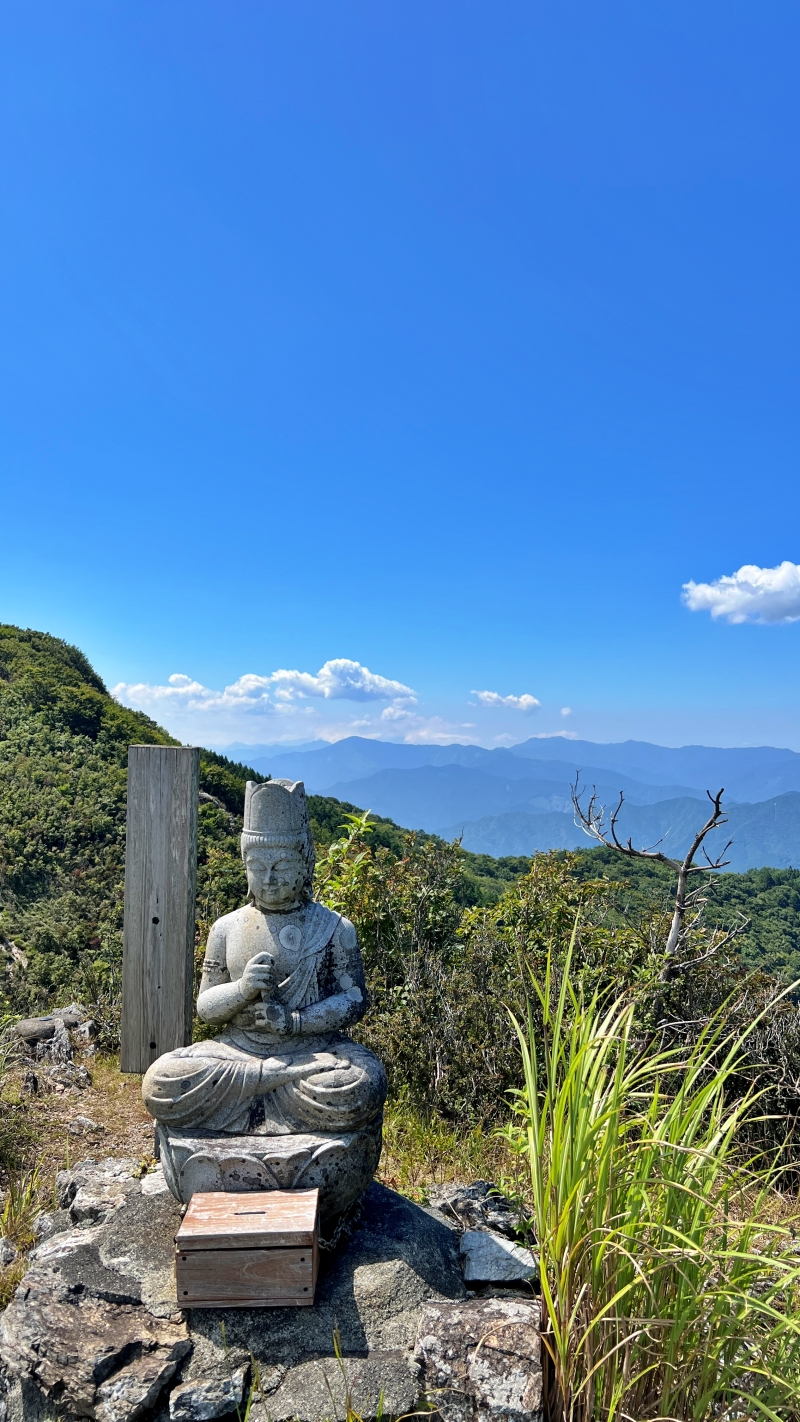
(447, 339)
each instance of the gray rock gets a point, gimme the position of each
(46, 1225)
(8, 1252)
(476, 1206)
(95, 1358)
(382, 1384)
(93, 1188)
(65, 1076)
(135, 1388)
(71, 1016)
(57, 1047)
(138, 1243)
(86, 1033)
(488, 1258)
(65, 1242)
(154, 1183)
(35, 1029)
(205, 1399)
(481, 1360)
(116, 1273)
(82, 1124)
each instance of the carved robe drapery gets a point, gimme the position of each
(225, 1085)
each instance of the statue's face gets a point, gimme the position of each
(275, 877)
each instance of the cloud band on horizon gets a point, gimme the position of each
(339, 679)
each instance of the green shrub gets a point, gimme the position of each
(670, 1275)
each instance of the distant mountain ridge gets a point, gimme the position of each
(766, 833)
(516, 800)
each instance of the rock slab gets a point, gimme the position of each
(489, 1258)
(481, 1361)
(94, 1331)
(203, 1401)
(477, 1206)
(88, 1357)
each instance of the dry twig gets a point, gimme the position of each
(592, 820)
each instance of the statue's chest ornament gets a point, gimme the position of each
(290, 937)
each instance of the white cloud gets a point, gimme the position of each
(340, 680)
(267, 695)
(752, 594)
(416, 729)
(517, 703)
(566, 710)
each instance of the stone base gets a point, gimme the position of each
(340, 1166)
(94, 1330)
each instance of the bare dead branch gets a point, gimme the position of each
(592, 821)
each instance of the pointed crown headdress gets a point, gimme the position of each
(276, 817)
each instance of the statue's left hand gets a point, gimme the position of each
(270, 1015)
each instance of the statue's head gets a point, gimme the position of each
(277, 847)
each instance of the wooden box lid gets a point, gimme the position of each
(257, 1219)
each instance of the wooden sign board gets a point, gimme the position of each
(256, 1249)
(160, 887)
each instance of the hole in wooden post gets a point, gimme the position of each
(152, 1046)
(155, 920)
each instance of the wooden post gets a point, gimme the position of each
(160, 889)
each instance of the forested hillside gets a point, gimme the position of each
(63, 757)
(63, 766)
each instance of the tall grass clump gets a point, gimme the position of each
(670, 1274)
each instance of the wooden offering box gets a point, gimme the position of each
(253, 1250)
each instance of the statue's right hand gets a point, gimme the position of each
(258, 977)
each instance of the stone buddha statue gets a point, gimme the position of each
(281, 1099)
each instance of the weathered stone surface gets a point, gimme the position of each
(71, 1016)
(477, 1206)
(385, 1383)
(61, 1077)
(489, 1258)
(203, 1400)
(283, 1098)
(154, 1183)
(84, 1125)
(35, 1029)
(8, 1252)
(49, 1036)
(138, 1242)
(481, 1360)
(58, 1047)
(64, 1242)
(91, 1357)
(93, 1188)
(93, 1286)
(373, 1289)
(135, 1388)
(46, 1225)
